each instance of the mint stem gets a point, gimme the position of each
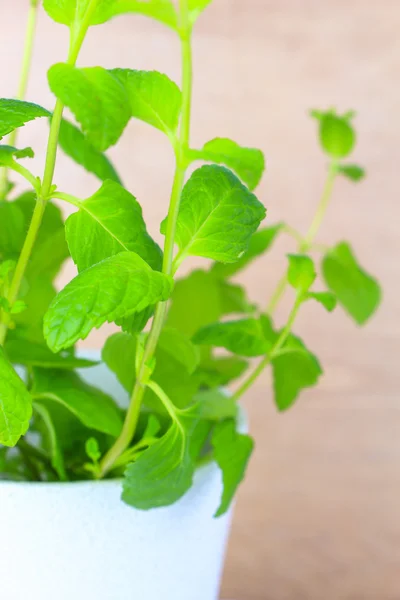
(181, 151)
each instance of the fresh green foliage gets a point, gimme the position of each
(356, 291)
(15, 404)
(211, 196)
(244, 337)
(163, 473)
(294, 369)
(15, 113)
(182, 339)
(301, 273)
(153, 97)
(107, 223)
(92, 407)
(112, 289)
(98, 100)
(75, 144)
(232, 451)
(248, 163)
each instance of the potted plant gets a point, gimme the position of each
(117, 473)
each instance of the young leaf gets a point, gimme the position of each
(76, 146)
(15, 113)
(214, 405)
(244, 337)
(356, 291)
(15, 404)
(217, 215)
(327, 299)
(352, 172)
(247, 163)
(107, 223)
(161, 10)
(92, 407)
(154, 98)
(72, 12)
(336, 134)
(8, 153)
(293, 370)
(57, 459)
(260, 242)
(31, 354)
(202, 298)
(164, 472)
(232, 451)
(301, 272)
(115, 288)
(97, 99)
(92, 449)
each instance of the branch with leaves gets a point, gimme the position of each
(179, 345)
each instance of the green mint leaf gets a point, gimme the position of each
(115, 288)
(75, 145)
(247, 163)
(12, 229)
(337, 136)
(72, 12)
(217, 215)
(196, 7)
(327, 299)
(202, 298)
(356, 291)
(154, 98)
(32, 354)
(92, 407)
(293, 370)
(96, 98)
(107, 223)
(50, 440)
(164, 472)
(160, 10)
(260, 242)
(137, 322)
(15, 113)
(214, 405)
(352, 172)
(244, 337)
(216, 372)
(15, 404)
(8, 153)
(232, 451)
(301, 272)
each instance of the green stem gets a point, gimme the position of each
(23, 82)
(51, 156)
(181, 149)
(306, 244)
(248, 383)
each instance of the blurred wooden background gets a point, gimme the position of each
(318, 516)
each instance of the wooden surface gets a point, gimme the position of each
(318, 516)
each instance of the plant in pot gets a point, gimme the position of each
(152, 416)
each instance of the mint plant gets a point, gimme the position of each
(182, 340)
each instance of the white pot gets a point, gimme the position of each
(79, 541)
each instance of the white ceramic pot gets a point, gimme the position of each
(79, 541)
